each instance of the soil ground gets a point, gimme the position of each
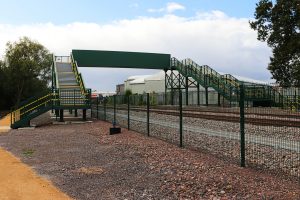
(85, 162)
(18, 181)
(5, 123)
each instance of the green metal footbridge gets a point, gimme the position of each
(68, 91)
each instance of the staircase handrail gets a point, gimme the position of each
(55, 73)
(232, 80)
(48, 101)
(208, 70)
(78, 75)
(200, 73)
(21, 112)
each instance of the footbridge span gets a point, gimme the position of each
(68, 90)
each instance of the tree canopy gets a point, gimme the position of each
(278, 24)
(26, 71)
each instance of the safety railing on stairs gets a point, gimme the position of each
(22, 112)
(54, 73)
(62, 59)
(57, 99)
(78, 75)
(229, 79)
(206, 76)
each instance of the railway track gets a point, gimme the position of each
(262, 119)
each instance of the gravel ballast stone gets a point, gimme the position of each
(86, 162)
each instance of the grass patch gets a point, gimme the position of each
(28, 152)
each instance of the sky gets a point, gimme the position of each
(210, 32)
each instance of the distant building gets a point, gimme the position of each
(156, 84)
(96, 94)
(120, 89)
(148, 83)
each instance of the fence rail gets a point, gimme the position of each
(266, 138)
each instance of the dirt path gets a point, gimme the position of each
(18, 181)
(5, 124)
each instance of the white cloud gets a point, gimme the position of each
(171, 7)
(224, 43)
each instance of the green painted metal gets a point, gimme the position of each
(58, 99)
(227, 85)
(242, 126)
(148, 115)
(180, 120)
(115, 110)
(128, 112)
(205, 76)
(121, 59)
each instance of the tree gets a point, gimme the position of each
(28, 69)
(3, 80)
(279, 25)
(128, 92)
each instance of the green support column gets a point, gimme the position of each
(97, 102)
(128, 112)
(115, 105)
(148, 115)
(104, 109)
(219, 99)
(56, 112)
(295, 101)
(84, 114)
(186, 91)
(206, 96)
(198, 94)
(76, 113)
(230, 97)
(172, 88)
(61, 115)
(166, 87)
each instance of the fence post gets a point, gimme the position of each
(148, 115)
(97, 107)
(115, 105)
(242, 124)
(180, 119)
(128, 112)
(206, 95)
(104, 109)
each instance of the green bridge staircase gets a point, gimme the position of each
(68, 92)
(228, 86)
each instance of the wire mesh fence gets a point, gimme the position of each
(273, 139)
(262, 137)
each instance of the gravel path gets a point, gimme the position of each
(87, 163)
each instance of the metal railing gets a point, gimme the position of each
(58, 98)
(78, 75)
(206, 76)
(62, 59)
